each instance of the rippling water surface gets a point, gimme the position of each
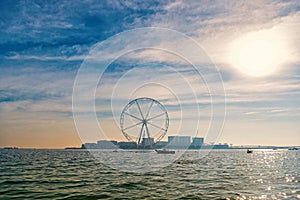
(227, 174)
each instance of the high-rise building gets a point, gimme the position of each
(197, 142)
(179, 141)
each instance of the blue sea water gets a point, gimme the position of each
(222, 174)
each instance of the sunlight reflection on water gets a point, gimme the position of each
(230, 174)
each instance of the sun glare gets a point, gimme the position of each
(258, 53)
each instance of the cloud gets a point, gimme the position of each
(43, 44)
(66, 31)
(36, 26)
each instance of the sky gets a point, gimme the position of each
(44, 44)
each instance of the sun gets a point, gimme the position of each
(258, 53)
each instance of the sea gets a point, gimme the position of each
(79, 174)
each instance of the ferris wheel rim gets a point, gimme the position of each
(144, 121)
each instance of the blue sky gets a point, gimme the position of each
(43, 45)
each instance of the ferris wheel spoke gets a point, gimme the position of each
(156, 126)
(141, 134)
(156, 116)
(147, 114)
(138, 105)
(129, 127)
(147, 130)
(143, 118)
(133, 116)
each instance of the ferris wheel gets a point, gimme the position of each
(144, 121)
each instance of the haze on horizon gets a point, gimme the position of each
(255, 46)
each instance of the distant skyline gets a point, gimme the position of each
(254, 44)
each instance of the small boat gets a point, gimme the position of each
(249, 151)
(164, 151)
